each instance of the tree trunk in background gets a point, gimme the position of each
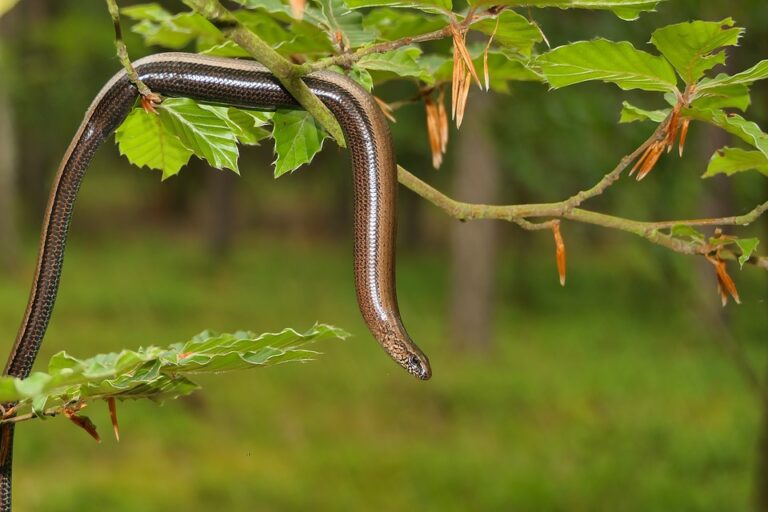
(9, 243)
(473, 245)
(717, 201)
(220, 225)
(38, 160)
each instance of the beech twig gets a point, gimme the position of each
(569, 209)
(125, 60)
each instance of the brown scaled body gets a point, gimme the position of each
(245, 84)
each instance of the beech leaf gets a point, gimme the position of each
(203, 130)
(624, 9)
(298, 139)
(618, 63)
(155, 372)
(630, 114)
(692, 47)
(146, 141)
(402, 62)
(747, 247)
(730, 161)
(514, 31)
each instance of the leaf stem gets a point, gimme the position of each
(122, 54)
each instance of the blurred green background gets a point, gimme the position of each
(618, 392)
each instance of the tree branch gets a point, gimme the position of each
(568, 208)
(122, 54)
(347, 59)
(288, 73)
(613, 176)
(519, 214)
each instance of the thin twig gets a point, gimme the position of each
(568, 208)
(48, 413)
(122, 54)
(346, 60)
(518, 214)
(613, 176)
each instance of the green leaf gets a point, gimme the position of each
(297, 140)
(146, 141)
(149, 11)
(361, 76)
(624, 9)
(402, 62)
(734, 124)
(290, 36)
(163, 34)
(33, 385)
(504, 68)
(7, 5)
(281, 11)
(630, 114)
(202, 129)
(726, 96)
(691, 47)
(514, 31)
(392, 24)
(174, 32)
(339, 19)
(272, 6)
(248, 125)
(618, 63)
(158, 373)
(267, 27)
(683, 231)
(730, 161)
(431, 6)
(747, 247)
(225, 49)
(757, 72)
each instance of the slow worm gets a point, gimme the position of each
(245, 84)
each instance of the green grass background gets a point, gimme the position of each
(613, 394)
(610, 394)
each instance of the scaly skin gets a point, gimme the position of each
(244, 84)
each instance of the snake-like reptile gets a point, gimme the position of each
(244, 84)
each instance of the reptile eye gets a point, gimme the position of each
(414, 361)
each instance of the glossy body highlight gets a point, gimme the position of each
(244, 84)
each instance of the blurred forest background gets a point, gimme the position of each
(630, 389)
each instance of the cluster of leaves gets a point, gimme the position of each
(372, 39)
(688, 52)
(180, 127)
(333, 28)
(154, 373)
(372, 42)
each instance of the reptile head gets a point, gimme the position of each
(408, 355)
(404, 351)
(417, 365)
